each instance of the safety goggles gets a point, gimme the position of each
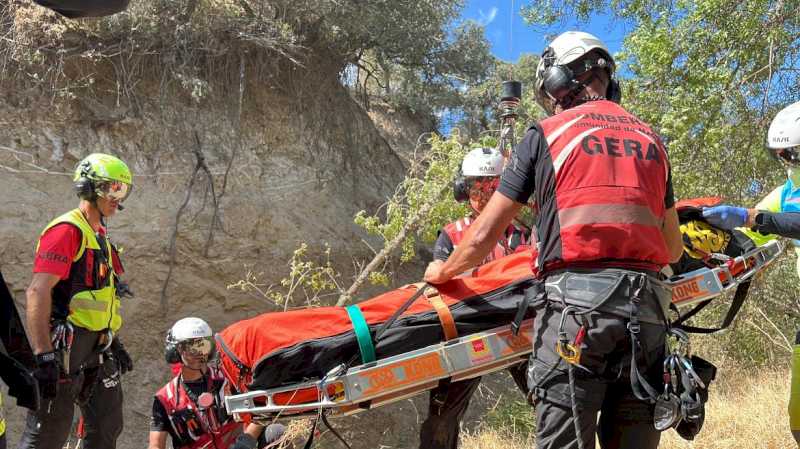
(789, 156)
(483, 184)
(113, 190)
(196, 347)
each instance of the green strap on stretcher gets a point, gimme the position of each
(363, 336)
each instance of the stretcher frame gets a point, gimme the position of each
(346, 391)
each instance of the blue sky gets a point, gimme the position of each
(497, 17)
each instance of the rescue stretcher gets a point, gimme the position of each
(346, 390)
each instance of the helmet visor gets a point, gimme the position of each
(789, 156)
(113, 190)
(196, 347)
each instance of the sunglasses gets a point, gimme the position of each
(789, 156)
(486, 184)
(113, 190)
(196, 347)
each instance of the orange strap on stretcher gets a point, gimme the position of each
(445, 317)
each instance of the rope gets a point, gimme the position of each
(573, 399)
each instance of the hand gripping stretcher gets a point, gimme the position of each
(345, 390)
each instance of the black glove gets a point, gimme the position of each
(244, 441)
(46, 374)
(122, 357)
(21, 383)
(123, 289)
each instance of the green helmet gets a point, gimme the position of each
(97, 172)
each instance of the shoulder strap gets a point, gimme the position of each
(733, 310)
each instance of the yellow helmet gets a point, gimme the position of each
(701, 239)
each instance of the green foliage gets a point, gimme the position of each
(305, 285)
(194, 43)
(435, 82)
(515, 416)
(481, 101)
(427, 184)
(709, 75)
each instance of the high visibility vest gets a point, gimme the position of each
(515, 238)
(794, 395)
(89, 293)
(601, 190)
(190, 424)
(2, 418)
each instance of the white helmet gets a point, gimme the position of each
(482, 162)
(189, 334)
(784, 131)
(560, 63)
(191, 327)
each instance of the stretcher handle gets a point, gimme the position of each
(385, 326)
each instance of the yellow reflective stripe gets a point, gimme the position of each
(78, 304)
(771, 202)
(607, 213)
(2, 417)
(95, 310)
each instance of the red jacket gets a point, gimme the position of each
(198, 429)
(609, 175)
(515, 239)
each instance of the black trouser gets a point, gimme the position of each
(3, 441)
(604, 385)
(97, 390)
(447, 406)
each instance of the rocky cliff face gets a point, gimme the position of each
(300, 168)
(293, 162)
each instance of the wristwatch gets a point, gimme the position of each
(45, 357)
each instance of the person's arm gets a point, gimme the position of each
(671, 227)
(159, 423)
(158, 440)
(784, 224)
(54, 254)
(254, 430)
(516, 186)
(443, 247)
(479, 240)
(671, 230)
(250, 438)
(38, 309)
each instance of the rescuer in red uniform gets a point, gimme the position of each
(606, 226)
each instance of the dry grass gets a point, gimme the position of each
(745, 410)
